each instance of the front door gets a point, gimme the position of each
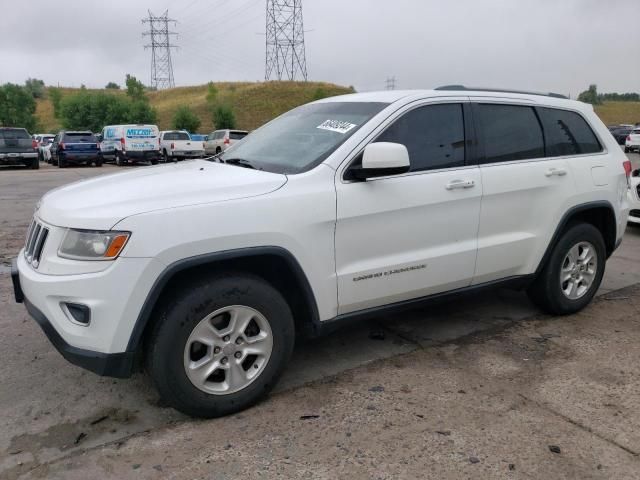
(415, 234)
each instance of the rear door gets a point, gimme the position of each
(523, 190)
(411, 235)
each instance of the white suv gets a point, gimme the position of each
(220, 140)
(347, 207)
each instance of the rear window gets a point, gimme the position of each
(79, 138)
(14, 134)
(567, 133)
(510, 132)
(237, 135)
(177, 136)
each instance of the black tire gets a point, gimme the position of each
(546, 291)
(35, 165)
(626, 149)
(99, 162)
(218, 150)
(119, 160)
(165, 157)
(154, 161)
(61, 162)
(165, 346)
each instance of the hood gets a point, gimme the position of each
(101, 202)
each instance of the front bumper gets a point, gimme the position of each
(118, 365)
(114, 296)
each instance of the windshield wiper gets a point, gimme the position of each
(241, 162)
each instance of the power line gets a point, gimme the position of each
(161, 66)
(285, 50)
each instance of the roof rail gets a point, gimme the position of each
(499, 90)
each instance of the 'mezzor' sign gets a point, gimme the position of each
(139, 132)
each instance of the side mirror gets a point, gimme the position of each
(382, 159)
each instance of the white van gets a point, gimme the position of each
(130, 143)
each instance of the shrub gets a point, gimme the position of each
(185, 119)
(17, 107)
(223, 117)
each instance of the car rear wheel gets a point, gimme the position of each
(35, 164)
(626, 149)
(165, 157)
(573, 273)
(220, 345)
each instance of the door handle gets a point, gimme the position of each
(456, 184)
(556, 172)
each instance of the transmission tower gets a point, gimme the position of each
(161, 67)
(285, 58)
(391, 83)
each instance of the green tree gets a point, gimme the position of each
(590, 95)
(141, 112)
(17, 107)
(55, 97)
(112, 86)
(93, 110)
(223, 117)
(35, 87)
(135, 88)
(185, 119)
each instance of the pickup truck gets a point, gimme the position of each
(18, 148)
(177, 145)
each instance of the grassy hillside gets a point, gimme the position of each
(613, 113)
(254, 103)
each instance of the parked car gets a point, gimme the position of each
(44, 142)
(18, 148)
(130, 144)
(634, 197)
(75, 148)
(632, 142)
(621, 134)
(220, 140)
(46, 152)
(177, 145)
(345, 208)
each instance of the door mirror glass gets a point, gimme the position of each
(382, 159)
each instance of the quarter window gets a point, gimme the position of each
(567, 133)
(509, 132)
(433, 135)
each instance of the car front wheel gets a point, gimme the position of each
(220, 345)
(573, 273)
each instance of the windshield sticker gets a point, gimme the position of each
(336, 126)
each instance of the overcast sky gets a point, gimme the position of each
(546, 45)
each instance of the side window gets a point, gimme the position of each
(567, 133)
(509, 132)
(434, 136)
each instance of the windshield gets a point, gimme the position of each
(302, 138)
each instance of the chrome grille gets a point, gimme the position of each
(36, 238)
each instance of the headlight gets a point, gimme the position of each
(92, 245)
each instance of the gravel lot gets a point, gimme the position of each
(486, 387)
